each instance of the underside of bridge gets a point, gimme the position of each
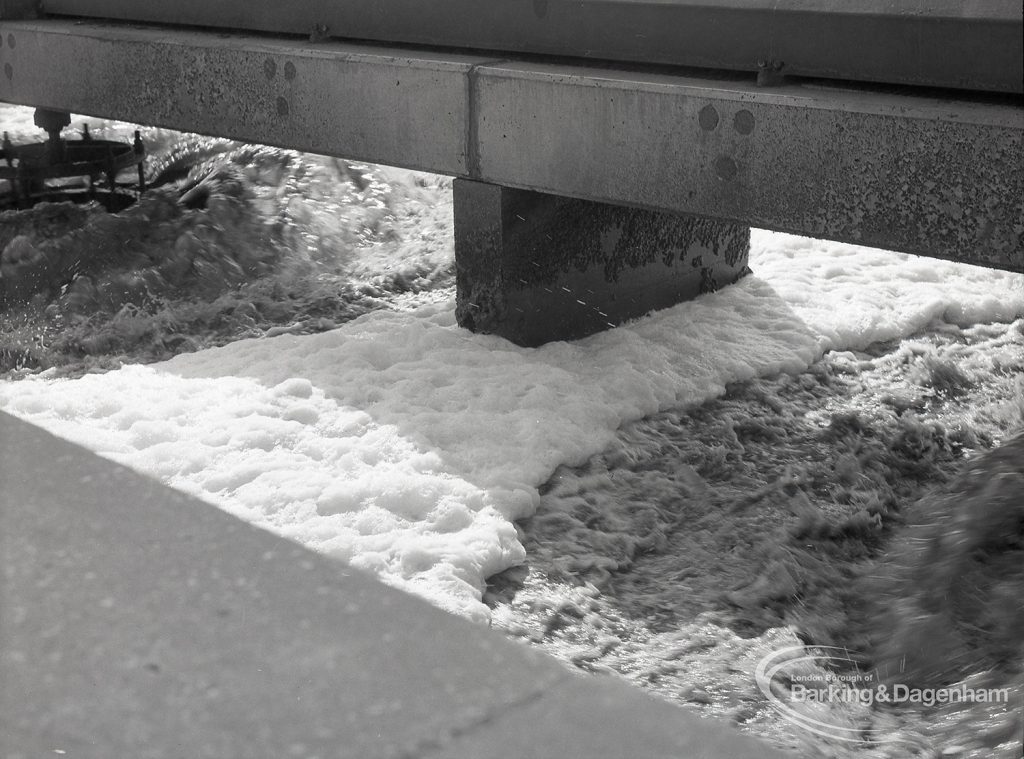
(600, 174)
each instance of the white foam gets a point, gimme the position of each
(405, 445)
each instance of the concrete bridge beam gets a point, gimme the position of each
(923, 173)
(534, 267)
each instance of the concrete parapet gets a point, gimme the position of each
(138, 622)
(534, 267)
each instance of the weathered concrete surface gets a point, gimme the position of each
(935, 177)
(138, 622)
(534, 268)
(943, 43)
(350, 100)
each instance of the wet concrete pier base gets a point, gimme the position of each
(534, 267)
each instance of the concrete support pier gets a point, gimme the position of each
(534, 267)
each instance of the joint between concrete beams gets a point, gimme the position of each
(472, 117)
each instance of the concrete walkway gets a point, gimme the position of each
(136, 623)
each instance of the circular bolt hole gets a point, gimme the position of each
(270, 68)
(8, 71)
(289, 71)
(743, 122)
(10, 40)
(725, 167)
(282, 107)
(708, 118)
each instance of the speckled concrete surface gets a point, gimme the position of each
(138, 622)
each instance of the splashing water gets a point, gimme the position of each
(234, 241)
(704, 540)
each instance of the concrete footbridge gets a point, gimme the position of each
(611, 155)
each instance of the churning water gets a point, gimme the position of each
(710, 527)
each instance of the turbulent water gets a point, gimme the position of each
(707, 538)
(702, 540)
(247, 241)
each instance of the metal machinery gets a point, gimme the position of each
(81, 170)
